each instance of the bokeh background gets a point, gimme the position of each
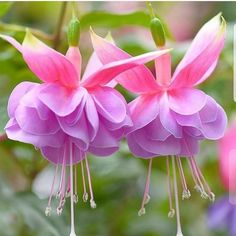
(118, 181)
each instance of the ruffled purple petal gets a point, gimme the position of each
(143, 109)
(19, 91)
(215, 129)
(92, 118)
(136, 149)
(56, 155)
(167, 118)
(30, 122)
(170, 146)
(14, 132)
(186, 101)
(79, 130)
(209, 112)
(155, 130)
(189, 146)
(109, 104)
(62, 101)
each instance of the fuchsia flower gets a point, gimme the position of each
(222, 214)
(171, 116)
(65, 117)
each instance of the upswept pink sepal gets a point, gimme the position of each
(202, 55)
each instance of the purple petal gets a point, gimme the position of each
(30, 122)
(167, 118)
(78, 130)
(14, 132)
(61, 100)
(155, 131)
(143, 109)
(170, 146)
(19, 91)
(109, 104)
(186, 101)
(189, 146)
(56, 155)
(136, 149)
(104, 138)
(215, 130)
(101, 152)
(209, 112)
(92, 118)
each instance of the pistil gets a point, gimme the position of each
(179, 230)
(72, 232)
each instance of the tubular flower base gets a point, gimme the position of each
(171, 117)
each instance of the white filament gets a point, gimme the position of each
(72, 232)
(179, 231)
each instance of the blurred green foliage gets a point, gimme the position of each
(119, 180)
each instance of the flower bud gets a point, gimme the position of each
(73, 33)
(158, 33)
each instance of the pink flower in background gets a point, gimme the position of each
(65, 117)
(222, 214)
(171, 116)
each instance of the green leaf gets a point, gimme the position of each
(4, 7)
(105, 19)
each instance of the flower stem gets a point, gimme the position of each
(57, 34)
(19, 28)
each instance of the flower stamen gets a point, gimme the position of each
(171, 212)
(146, 196)
(92, 202)
(75, 196)
(62, 186)
(186, 193)
(210, 194)
(48, 208)
(85, 194)
(199, 186)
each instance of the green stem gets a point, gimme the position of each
(150, 9)
(57, 35)
(18, 28)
